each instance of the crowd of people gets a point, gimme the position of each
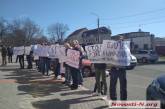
(6, 52)
(73, 76)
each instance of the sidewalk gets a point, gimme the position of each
(34, 91)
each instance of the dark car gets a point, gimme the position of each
(156, 90)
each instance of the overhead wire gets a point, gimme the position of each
(135, 15)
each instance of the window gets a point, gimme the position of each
(136, 47)
(145, 46)
(142, 52)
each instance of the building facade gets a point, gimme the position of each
(96, 36)
(76, 35)
(89, 37)
(160, 46)
(138, 40)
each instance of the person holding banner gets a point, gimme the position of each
(44, 59)
(21, 57)
(75, 72)
(118, 72)
(100, 72)
(68, 77)
(4, 54)
(30, 60)
(10, 54)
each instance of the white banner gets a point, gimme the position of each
(53, 51)
(73, 58)
(27, 50)
(62, 54)
(94, 53)
(18, 50)
(36, 50)
(116, 52)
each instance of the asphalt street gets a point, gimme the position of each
(138, 79)
(23, 89)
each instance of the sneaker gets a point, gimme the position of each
(73, 87)
(104, 97)
(59, 77)
(96, 94)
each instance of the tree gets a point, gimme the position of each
(3, 28)
(30, 29)
(24, 31)
(57, 31)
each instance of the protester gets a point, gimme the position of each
(4, 54)
(38, 52)
(10, 54)
(57, 66)
(68, 78)
(118, 72)
(57, 69)
(76, 73)
(16, 59)
(21, 60)
(100, 73)
(30, 60)
(44, 59)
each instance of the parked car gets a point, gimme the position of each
(133, 63)
(88, 68)
(145, 56)
(156, 90)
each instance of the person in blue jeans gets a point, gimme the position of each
(68, 77)
(76, 73)
(118, 72)
(57, 68)
(30, 60)
(44, 60)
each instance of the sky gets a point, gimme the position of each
(121, 16)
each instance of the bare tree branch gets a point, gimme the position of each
(57, 31)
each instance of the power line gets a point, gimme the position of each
(134, 15)
(129, 26)
(136, 21)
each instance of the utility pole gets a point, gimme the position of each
(98, 25)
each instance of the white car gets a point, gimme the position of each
(133, 63)
(145, 56)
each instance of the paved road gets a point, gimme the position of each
(138, 80)
(28, 89)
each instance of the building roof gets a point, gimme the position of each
(77, 32)
(102, 30)
(132, 35)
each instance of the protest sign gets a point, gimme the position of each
(19, 50)
(116, 52)
(62, 54)
(94, 53)
(27, 50)
(36, 50)
(53, 51)
(73, 58)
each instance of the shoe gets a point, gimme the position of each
(59, 77)
(73, 87)
(104, 97)
(64, 82)
(96, 94)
